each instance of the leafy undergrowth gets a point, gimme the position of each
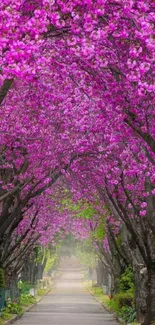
(116, 304)
(9, 312)
(27, 300)
(4, 317)
(13, 308)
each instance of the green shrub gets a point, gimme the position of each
(24, 287)
(13, 308)
(27, 299)
(124, 299)
(120, 300)
(126, 281)
(123, 305)
(128, 314)
(5, 315)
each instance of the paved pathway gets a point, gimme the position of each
(68, 303)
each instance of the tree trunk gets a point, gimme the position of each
(150, 310)
(33, 274)
(99, 271)
(33, 271)
(141, 280)
(25, 273)
(14, 291)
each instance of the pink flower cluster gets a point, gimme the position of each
(80, 106)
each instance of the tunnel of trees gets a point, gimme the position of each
(77, 141)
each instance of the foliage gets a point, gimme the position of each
(24, 287)
(85, 119)
(87, 212)
(120, 300)
(51, 261)
(2, 279)
(122, 303)
(13, 308)
(86, 253)
(37, 250)
(27, 300)
(126, 281)
(118, 240)
(100, 231)
(128, 314)
(5, 315)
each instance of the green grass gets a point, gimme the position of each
(42, 292)
(5, 316)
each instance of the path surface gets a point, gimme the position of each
(67, 304)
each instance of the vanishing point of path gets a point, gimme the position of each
(68, 303)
